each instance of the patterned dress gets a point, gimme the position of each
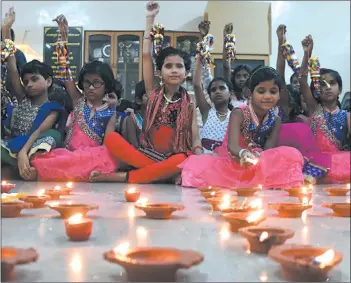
(84, 151)
(277, 167)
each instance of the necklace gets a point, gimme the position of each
(169, 101)
(219, 114)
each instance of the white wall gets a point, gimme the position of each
(328, 22)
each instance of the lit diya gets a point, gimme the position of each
(67, 210)
(262, 239)
(209, 189)
(341, 209)
(290, 209)
(10, 257)
(245, 206)
(304, 262)
(13, 208)
(78, 228)
(212, 194)
(247, 192)
(132, 195)
(338, 192)
(55, 193)
(158, 210)
(6, 187)
(152, 264)
(37, 200)
(299, 192)
(239, 220)
(68, 188)
(220, 203)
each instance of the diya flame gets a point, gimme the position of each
(122, 249)
(254, 216)
(263, 236)
(75, 219)
(325, 259)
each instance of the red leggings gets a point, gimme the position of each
(149, 170)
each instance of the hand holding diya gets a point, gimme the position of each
(304, 263)
(10, 257)
(67, 210)
(78, 228)
(6, 187)
(262, 239)
(37, 200)
(158, 210)
(131, 195)
(239, 220)
(338, 192)
(152, 264)
(342, 209)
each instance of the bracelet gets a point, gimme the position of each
(196, 147)
(241, 152)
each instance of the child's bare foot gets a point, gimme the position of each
(97, 176)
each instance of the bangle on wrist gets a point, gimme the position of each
(241, 152)
(198, 147)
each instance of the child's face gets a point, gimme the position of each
(173, 70)
(295, 83)
(265, 95)
(94, 87)
(219, 93)
(36, 84)
(330, 90)
(241, 77)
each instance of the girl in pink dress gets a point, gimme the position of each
(91, 121)
(248, 156)
(330, 125)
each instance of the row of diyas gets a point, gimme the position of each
(299, 262)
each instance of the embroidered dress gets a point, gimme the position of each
(214, 131)
(277, 167)
(330, 131)
(21, 122)
(84, 151)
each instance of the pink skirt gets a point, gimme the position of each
(279, 167)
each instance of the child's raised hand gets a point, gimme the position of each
(152, 9)
(63, 26)
(9, 18)
(204, 27)
(228, 29)
(281, 34)
(307, 44)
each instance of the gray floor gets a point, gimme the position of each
(194, 228)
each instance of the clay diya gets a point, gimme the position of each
(55, 193)
(239, 220)
(244, 207)
(13, 208)
(67, 210)
(132, 195)
(212, 194)
(10, 257)
(246, 192)
(159, 210)
(341, 209)
(337, 192)
(6, 187)
(304, 262)
(220, 203)
(78, 228)
(262, 239)
(37, 200)
(67, 189)
(289, 209)
(153, 264)
(300, 192)
(209, 189)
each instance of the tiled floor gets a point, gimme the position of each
(194, 228)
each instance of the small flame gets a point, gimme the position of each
(57, 188)
(348, 186)
(263, 236)
(310, 186)
(260, 187)
(256, 204)
(225, 204)
(122, 249)
(304, 190)
(69, 185)
(40, 192)
(213, 194)
(131, 190)
(75, 219)
(325, 259)
(142, 201)
(3, 183)
(210, 187)
(254, 216)
(305, 201)
(263, 277)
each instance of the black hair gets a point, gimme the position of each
(37, 67)
(103, 70)
(292, 77)
(118, 89)
(140, 90)
(333, 73)
(263, 74)
(229, 85)
(170, 51)
(235, 71)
